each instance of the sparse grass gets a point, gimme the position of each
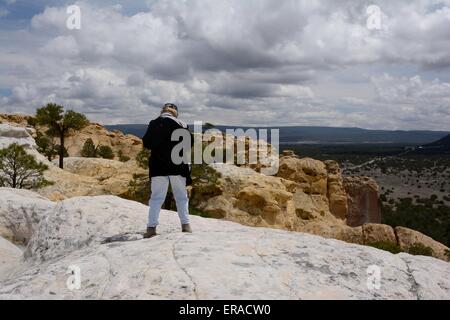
(195, 212)
(447, 254)
(138, 189)
(205, 184)
(386, 246)
(419, 249)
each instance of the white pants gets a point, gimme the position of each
(159, 192)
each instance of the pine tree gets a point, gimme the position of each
(105, 152)
(89, 149)
(60, 122)
(20, 170)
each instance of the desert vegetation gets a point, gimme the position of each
(20, 170)
(59, 123)
(90, 150)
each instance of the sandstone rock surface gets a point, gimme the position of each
(129, 145)
(220, 260)
(310, 174)
(113, 176)
(373, 233)
(336, 194)
(10, 134)
(363, 201)
(19, 120)
(254, 199)
(407, 238)
(10, 257)
(81, 176)
(312, 202)
(20, 213)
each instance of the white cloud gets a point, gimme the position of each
(243, 62)
(414, 100)
(61, 47)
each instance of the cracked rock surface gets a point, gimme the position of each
(102, 237)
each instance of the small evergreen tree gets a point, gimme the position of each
(105, 152)
(46, 146)
(20, 170)
(138, 188)
(89, 149)
(31, 121)
(64, 151)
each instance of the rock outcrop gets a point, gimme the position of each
(20, 213)
(363, 201)
(100, 236)
(376, 233)
(111, 175)
(307, 195)
(10, 257)
(128, 144)
(10, 134)
(354, 199)
(81, 176)
(19, 120)
(336, 193)
(408, 238)
(253, 199)
(309, 174)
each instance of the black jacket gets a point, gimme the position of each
(158, 140)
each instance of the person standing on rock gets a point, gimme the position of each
(163, 170)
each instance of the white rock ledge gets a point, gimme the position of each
(220, 260)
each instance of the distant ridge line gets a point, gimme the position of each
(325, 135)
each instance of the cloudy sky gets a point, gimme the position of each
(252, 62)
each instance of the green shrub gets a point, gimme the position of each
(32, 122)
(386, 246)
(447, 254)
(105, 152)
(122, 157)
(205, 184)
(196, 212)
(138, 189)
(46, 146)
(21, 170)
(142, 158)
(419, 249)
(89, 149)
